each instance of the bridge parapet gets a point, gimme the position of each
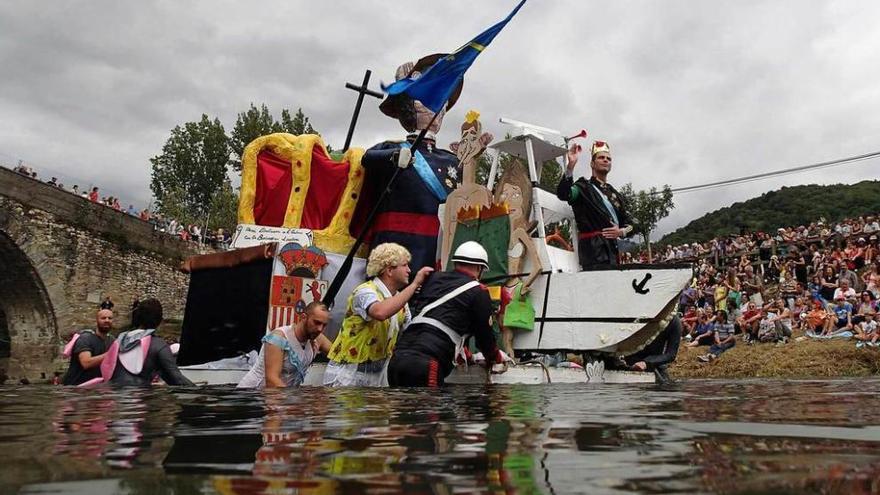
(115, 226)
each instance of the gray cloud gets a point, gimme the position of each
(686, 92)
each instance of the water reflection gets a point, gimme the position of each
(696, 436)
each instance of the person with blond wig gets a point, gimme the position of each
(376, 312)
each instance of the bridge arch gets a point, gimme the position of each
(28, 319)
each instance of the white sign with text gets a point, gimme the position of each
(254, 235)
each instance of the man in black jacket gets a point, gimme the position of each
(599, 210)
(451, 306)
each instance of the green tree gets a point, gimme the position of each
(191, 170)
(250, 125)
(299, 124)
(551, 174)
(223, 208)
(256, 122)
(646, 208)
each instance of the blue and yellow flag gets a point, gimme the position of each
(435, 85)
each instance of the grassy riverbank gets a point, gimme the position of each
(805, 359)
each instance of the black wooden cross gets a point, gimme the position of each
(362, 90)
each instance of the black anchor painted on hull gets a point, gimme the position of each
(640, 287)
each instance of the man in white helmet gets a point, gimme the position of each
(451, 306)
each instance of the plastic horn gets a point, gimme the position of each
(581, 134)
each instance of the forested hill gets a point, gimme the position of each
(789, 206)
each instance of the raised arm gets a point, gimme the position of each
(566, 191)
(389, 307)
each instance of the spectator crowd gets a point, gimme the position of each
(819, 280)
(218, 239)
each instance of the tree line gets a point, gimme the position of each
(786, 207)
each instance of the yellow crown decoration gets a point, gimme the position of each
(297, 150)
(600, 146)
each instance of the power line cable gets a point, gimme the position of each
(786, 171)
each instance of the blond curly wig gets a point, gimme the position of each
(386, 255)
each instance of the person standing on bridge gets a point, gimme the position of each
(599, 210)
(107, 303)
(87, 349)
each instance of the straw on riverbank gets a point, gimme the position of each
(807, 358)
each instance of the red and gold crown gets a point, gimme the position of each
(302, 261)
(600, 146)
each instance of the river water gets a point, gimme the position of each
(693, 436)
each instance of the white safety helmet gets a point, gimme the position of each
(471, 253)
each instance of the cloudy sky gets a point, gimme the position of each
(686, 92)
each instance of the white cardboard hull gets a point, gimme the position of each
(529, 374)
(601, 310)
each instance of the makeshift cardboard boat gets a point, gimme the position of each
(273, 271)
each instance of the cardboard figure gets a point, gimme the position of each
(468, 194)
(515, 189)
(409, 214)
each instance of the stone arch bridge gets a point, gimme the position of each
(60, 255)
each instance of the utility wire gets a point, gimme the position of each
(785, 171)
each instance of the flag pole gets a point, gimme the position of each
(345, 268)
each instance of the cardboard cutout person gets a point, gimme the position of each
(409, 215)
(468, 194)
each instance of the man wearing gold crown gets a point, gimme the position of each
(599, 210)
(409, 215)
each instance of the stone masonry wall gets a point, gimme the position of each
(60, 255)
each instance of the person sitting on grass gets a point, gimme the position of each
(798, 310)
(748, 322)
(703, 331)
(814, 320)
(868, 331)
(724, 337)
(846, 290)
(866, 306)
(841, 321)
(779, 321)
(689, 320)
